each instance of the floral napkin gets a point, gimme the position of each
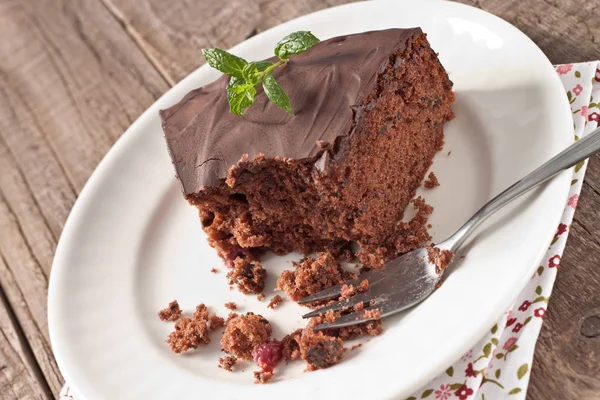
(499, 365)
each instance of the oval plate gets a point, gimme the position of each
(132, 244)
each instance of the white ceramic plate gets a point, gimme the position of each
(132, 243)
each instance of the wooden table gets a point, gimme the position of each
(75, 74)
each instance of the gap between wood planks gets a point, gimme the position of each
(21, 348)
(135, 36)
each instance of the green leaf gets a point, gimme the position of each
(499, 355)
(295, 43)
(494, 341)
(579, 165)
(240, 97)
(569, 95)
(450, 371)
(538, 299)
(554, 240)
(456, 386)
(574, 181)
(577, 74)
(250, 73)
(515, 391)
(538, 290)
(276, 94)
(522, 371)
(412, 398)
(426, 393)
(487, 349)
(513, 348)
(540, 270)
(225, 62)
(494, 328)
(262, 65)
(497, 374)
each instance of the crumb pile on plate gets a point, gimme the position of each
(369, 115)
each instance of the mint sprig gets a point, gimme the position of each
(246, 76)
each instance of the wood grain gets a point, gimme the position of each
(75, 74)
(71, 81)
(172, 33)
(20, 376)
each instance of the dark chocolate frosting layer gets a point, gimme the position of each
(205, 139)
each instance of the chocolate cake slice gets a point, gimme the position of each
(369, 115)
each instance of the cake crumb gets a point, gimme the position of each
(311, 275)
(319, 350)
(231, 305)
(231, 316)
(171, 313)
(291, 346)
(201, 313)
(450, 152)
(260, 297)
(188, 334)
(356, 346)
(216, 322)
(214, 270)
(370, 328)
(263, 376)
(432, 181)
(275, 302)
(364, 285)
(244, 333)
(372, 314)
(227, 363)
(347, 291)
(359, 306)
(247, 276)
(441, 258)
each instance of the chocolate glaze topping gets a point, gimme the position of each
(324, 83)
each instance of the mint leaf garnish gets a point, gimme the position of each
(225, 62)
(276, 94)
(240, 96)
(246, 76)
(295, 43)
(250, 73)
(262, 65)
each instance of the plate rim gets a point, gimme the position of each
(84, 200)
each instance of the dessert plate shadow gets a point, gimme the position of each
(132, 244)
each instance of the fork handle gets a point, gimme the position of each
(567, 158)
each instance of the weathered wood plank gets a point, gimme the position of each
(19, 374)
(71, 81)
(173, 33)
(566, 30)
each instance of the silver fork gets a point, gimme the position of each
(411, 278)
